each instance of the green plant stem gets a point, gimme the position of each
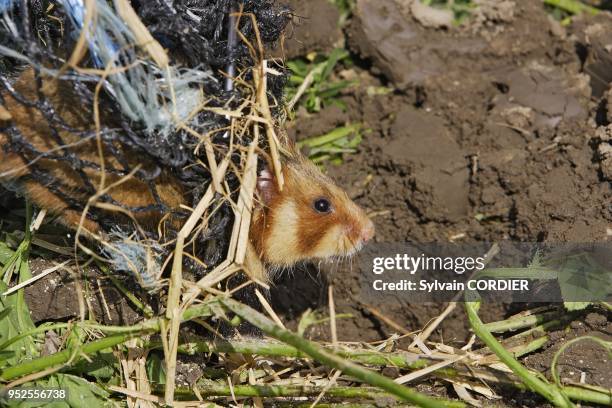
(214, 389)
(144, 308)
(150, 324)
(572, 6)
(334, 405)
(321, 158)
(7, 270)
(269, 349)
(548, 391)
(532, 346)
(63, 356)
(516, 323)
(32, 332)
(211, 389)
(330, 359)
(273, 349)
(76, 353)
(332, 136)
(542, 328)
(602, 397)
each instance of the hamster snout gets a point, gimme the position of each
(361, 228)
(367, 231)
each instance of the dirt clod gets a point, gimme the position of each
(314, 28)
(422, 147)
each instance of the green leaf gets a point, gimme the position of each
(582, 281)
(296, 80)
(334, 88)
(332, 145)
(331, 150)
(298, 67)
(76, 337)
(319, 159)
(156, 371)
(4, 313)
(13, 324)
(22, 312)
(572, 306)
(335, 56)
(5, 253)
(4, 356)
(32, 404)
(329, 137)
(103, 367)
(572, 6)
(310, 318)
(81, 393)
(354, 142)
(313, 104)
(320, 92)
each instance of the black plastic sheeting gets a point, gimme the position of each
(195, 35)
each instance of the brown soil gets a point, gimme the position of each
(314, 28)
(584, 358)
(495, 130)
(56, 297)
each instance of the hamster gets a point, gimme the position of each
(310, 219)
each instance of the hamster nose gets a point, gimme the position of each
(367, 233)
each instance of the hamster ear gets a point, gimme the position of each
(266, 186)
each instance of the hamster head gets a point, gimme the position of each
(310, 219)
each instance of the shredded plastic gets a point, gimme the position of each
(148, 102)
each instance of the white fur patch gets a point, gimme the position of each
(331, 244)
(282, 242)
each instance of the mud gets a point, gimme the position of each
(55, 297)
(584, 358)
(497, 129)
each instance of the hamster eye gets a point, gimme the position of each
(322, 205)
